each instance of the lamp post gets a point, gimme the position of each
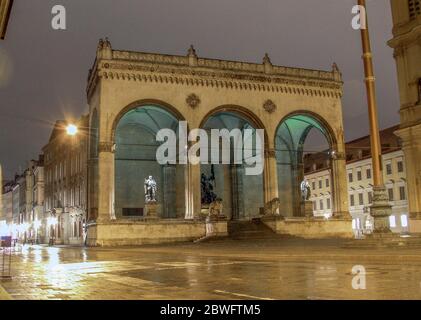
(381, 208)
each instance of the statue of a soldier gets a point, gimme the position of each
(305, 190)
(150, 189)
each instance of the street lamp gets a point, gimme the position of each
(380, 209)
(71, 130)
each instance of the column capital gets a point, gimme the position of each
(106, 146)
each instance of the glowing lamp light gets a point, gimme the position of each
(52, 221)
(37, 224)
(71, 130)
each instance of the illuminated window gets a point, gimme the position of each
(414, 8)
(392, 221)
(404, 221)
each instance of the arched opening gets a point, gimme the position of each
(304, 145)
(242, 193)
(135, 160)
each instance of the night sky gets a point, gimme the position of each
(43, 72)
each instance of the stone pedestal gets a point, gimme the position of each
(307, 209)
(151, 211)
(381, 211)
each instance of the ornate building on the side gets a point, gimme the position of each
(65, 179)
(360, 182)
(133, 95)
(406, 43)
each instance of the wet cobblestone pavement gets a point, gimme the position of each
(287, 269)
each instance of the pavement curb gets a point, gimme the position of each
(4, 295)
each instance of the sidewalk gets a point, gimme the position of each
(4, 295)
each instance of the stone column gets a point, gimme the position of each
(169, 198)
(339, 186)
(193, 191)
(270, 176)
(297, 176)
(237, 172)
(106, 182)
(411, 138)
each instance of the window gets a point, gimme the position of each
(400, 166)
(359, 175)
(368, 173)
(361, 198)
(404, 221)
(389, 169)
(313, 185)
(327, 183)
(328, 203)
(414, 8)
(314, 205)
(350, 177)
(370, 197)
(321, 204)
(392, 221)
(402, 193)
(352, 200)
(390, 191)
(320, 184)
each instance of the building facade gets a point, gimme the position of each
(65, 180)
(406, 43)
(360, 183)
(133, 95)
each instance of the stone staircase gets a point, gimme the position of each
(250, 230)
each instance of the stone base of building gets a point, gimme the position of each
(311, 228)
(415, 224)
(130, 233)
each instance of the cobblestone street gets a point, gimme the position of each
(288, 269)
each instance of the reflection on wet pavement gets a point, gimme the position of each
(211, 271)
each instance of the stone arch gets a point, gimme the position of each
(145, 102)
(134, 136)
(242, 195)
(290, 136)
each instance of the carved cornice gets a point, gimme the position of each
(136, 66)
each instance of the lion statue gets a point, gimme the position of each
(215, 208)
